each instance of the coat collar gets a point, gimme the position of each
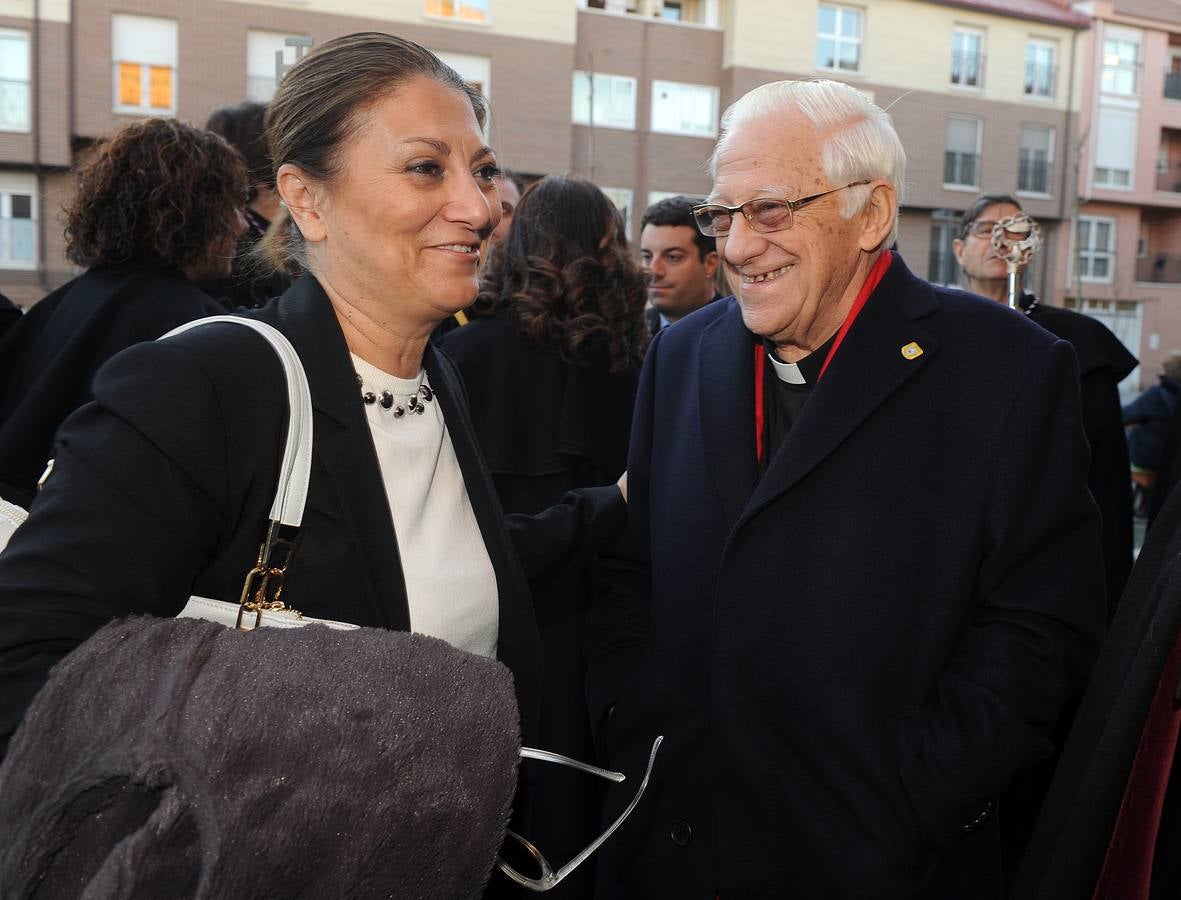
(866, 370)
(343, 443)
(877, 357)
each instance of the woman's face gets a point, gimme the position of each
(414, 198)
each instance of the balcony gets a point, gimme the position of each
(1040, 80)
(1159, 268)
(961, 169)
(1168, 175)
(967, 69)
(1034, 173)
(1173, 85)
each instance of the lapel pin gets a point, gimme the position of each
(912, 351)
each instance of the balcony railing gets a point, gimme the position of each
(1040, 79)
(1034, 173)
(1173, 85)
(1160, 268)
(967, 69)
(1168, 175)
(961, 168)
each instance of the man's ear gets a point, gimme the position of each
(878, 215)
(300, 195)
(957, 250)
(711, 263)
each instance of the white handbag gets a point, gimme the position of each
(264, 583)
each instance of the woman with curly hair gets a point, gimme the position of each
(155, 210)
(551, 360)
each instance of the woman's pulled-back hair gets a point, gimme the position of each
(567, 275)
(158, 194)
(319, 103)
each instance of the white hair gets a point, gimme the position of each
(858, 138)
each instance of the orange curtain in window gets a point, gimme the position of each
(440, 8)
(160, 85)
(129, 84)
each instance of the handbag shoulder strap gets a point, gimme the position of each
(292, 491)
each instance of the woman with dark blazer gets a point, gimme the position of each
(161, 486)
(156, 209)
(551, 359)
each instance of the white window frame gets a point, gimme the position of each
(26, 185)
(1116, 63)
(1043, 44)
(966, 31)
(601, 81)
(659, 86)
(145, 108)
(838, 39)
(260, 85)
(1092, 253)
(26, 82)
(955, 185)
(440, 16)
(1049, 157)
(622, 199)
(1131, 170)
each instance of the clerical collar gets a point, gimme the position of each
(806, 371)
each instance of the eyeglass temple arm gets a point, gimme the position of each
(549, 878)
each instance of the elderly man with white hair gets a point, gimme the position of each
(862, 573)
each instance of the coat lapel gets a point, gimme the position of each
(726, 408)
(344, 444)
(869, 366)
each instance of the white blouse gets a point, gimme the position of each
(450, 582)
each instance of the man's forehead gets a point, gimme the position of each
(663, 237)
(774, 157)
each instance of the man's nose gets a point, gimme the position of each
(743, 243)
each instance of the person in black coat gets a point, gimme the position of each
(252, 280)
(551, 359)
(156, 209)
(848, 596)
(163, 485)
(1103, 363)
(10, 314)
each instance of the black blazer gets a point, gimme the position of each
(48, 359)
(162, 488)
(851, 657)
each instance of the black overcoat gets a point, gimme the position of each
(48, 359)
(162, 487)
(851, 657)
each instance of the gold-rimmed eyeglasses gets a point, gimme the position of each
(763, 214)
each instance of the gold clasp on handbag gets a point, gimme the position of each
(262, 590)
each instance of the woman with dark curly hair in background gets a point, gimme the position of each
(551, 360)
(155, 210)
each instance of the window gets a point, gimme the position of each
(614, 103)
(838, 38)
(144, 52)
(961, 163)
(622, 198)
(462, 10)
(941, 266)
(1173, 74)
(967, 57)
(14, 80)
(18, 221)
(671, 11)
(1121, 62)
(1039, 68)
(1115, 148)
(684, 109)
(263, 52)
(1035, 159)
(1096, 248)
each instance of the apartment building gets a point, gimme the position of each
(1122, 263)
(625, 92)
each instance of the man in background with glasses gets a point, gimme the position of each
(861, 573)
